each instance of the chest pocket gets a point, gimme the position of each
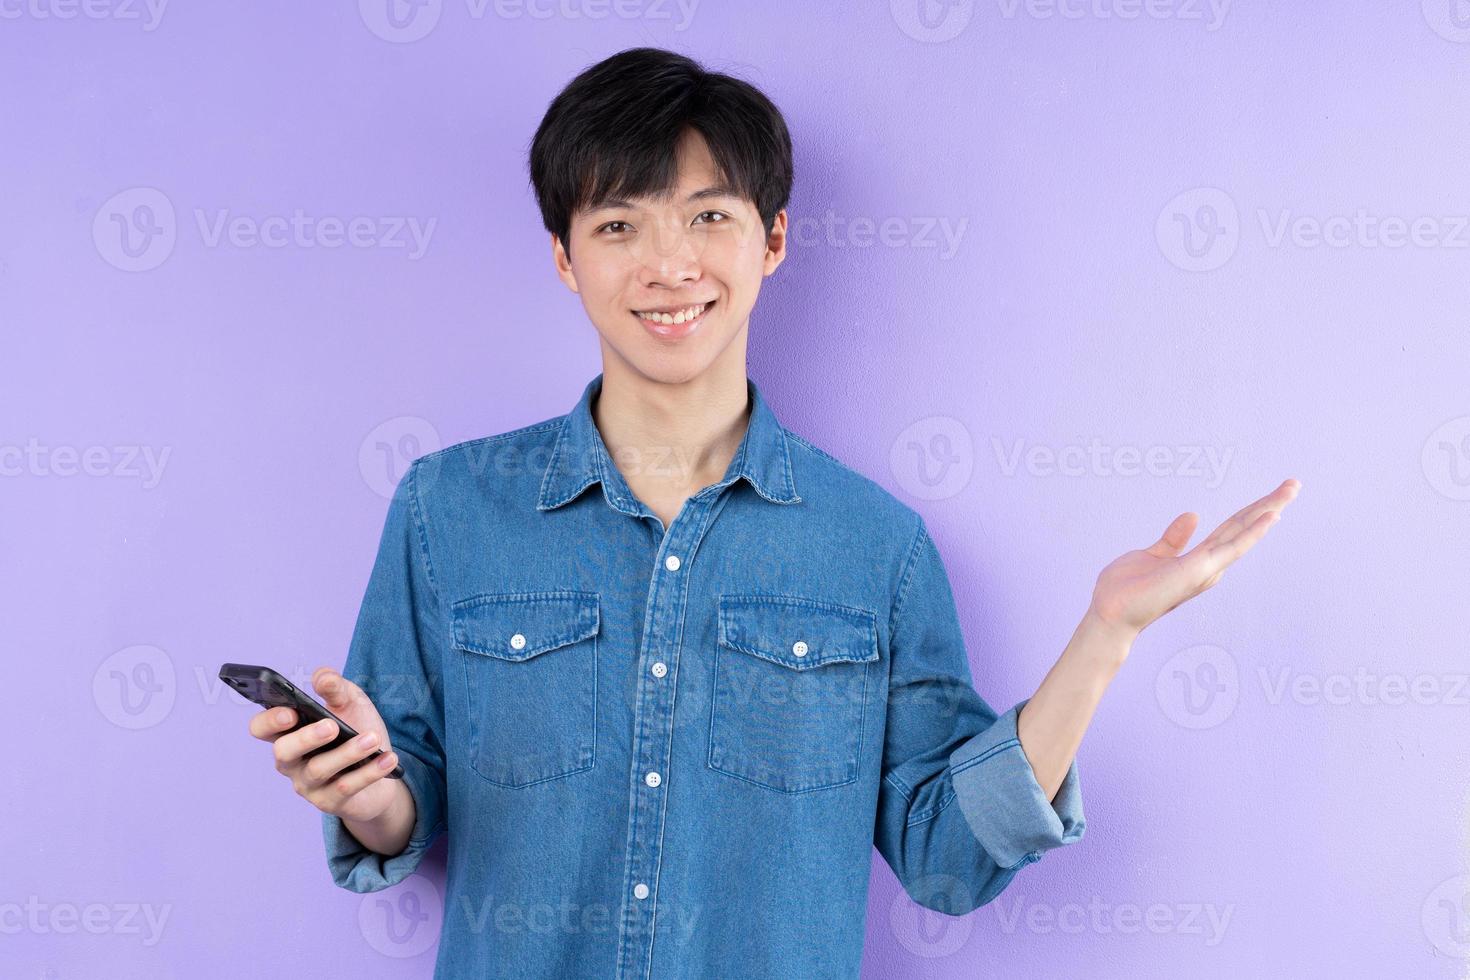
(790, 691)
(530, 674)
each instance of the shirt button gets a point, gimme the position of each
(659, 669)
(799, 648)
(640, 890)
(652, 779)
(672, 563)
(518, 641)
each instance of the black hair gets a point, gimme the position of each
(613, 132)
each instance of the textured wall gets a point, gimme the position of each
(1062, 270)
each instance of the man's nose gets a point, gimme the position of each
(670, 254)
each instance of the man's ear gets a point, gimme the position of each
(776, 242)
(563, 264)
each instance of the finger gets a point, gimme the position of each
(1246, 540)
(321, 767)
(1276, 503)
(1245, 515)
(349, 785)
(1175, 536)
(1217, 556)
(337, 691)
(291, 747)
(268, 725)
(1236, 523)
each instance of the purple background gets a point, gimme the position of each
(1255, 807)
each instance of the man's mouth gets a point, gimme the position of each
(674, 321)
(669, 316)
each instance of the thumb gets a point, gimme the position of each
(1176, 536)
(337, 691)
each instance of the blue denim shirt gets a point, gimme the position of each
(667, 753)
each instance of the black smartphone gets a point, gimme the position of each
(270, 690)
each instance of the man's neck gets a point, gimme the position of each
(672, 440)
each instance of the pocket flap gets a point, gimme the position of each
(519, 625)
(797, 632)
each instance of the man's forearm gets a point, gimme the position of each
(1052, 723)
(388, 833)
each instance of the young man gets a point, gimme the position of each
(663, 670)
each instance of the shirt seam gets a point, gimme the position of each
(416, 516)
(801, 440)
(524, 430)
(994, 750)
(906, 578)
(421, 533)
(926, 815)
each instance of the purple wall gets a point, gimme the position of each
(1128, 257)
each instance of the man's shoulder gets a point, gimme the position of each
(503, 459)
(828, 481)
(533, 434)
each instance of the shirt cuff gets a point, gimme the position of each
(1005, 806)
(359, 869)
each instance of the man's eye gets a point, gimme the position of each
(720, 215)
(613, 226)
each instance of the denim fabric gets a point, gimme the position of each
(667, 753)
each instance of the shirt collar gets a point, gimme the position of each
(580, 458)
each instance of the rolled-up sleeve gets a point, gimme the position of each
(396, 656)
(960, 810)
(997, 791)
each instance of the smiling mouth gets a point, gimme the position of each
(682, 314)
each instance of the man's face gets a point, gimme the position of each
(669, 283)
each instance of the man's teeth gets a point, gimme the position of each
(682, 316)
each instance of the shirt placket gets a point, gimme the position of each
(653, 725)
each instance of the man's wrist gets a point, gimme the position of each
(387, 833)
(1101, 640)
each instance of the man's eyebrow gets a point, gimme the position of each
(703, 194)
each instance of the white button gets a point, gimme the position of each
(518, 641)
(640, 890)
(799, 648)
(659, 669)
(672, 563)
(652, 779)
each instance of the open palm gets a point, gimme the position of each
(1143, 585)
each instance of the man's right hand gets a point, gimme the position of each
(361, 795)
